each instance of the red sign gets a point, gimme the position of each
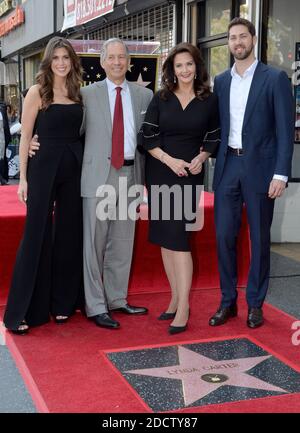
(12, 21)
(71, 6)
(87, 10)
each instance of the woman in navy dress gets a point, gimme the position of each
(180, 131)
(47, 278)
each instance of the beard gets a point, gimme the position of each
(244, 54)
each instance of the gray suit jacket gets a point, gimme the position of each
(98, 134)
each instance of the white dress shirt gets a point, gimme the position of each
(129, 125)
(239, 93)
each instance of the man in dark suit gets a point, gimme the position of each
(252, 166)
(4, 141)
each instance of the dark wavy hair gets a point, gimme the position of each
(45, 77)
(201, 82)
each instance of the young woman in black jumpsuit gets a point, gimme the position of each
(180, 131)
(47, 278)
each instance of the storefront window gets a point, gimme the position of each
(218, 60)
(249, 10)
(217, 16)
(283, 34)
(283, 49)
(32, 65)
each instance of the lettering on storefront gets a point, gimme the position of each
(12, 21)
(5, 6)
(78, 12)
(87, 10)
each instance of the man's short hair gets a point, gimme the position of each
(103, 52)
(242, 22)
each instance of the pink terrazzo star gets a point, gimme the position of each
(201, 375)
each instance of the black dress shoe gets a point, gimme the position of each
(177, 329)
(222, 315)
(255, 317)
(130, 309)
(105, 321)
(166, 316)
(3, 181)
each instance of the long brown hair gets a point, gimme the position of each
(201, 86)
(45, 77)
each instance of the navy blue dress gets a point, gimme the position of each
(180, 133)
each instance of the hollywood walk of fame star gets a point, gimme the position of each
(201, 375)
(141, 82)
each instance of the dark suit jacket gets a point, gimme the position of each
(268, 128)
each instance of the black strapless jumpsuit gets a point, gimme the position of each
(47, 277)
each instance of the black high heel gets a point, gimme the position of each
(61, 320)
(177, 329)
(166, 316)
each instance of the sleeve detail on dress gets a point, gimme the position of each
(150, 130)
(150, 135)
(211, 141)
(212, 135)
(148, 123)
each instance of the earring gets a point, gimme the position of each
(174, 79)
(195, 76)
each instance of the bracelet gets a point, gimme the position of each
(161, 158)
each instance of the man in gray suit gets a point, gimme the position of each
(108, 237)
(112, 173)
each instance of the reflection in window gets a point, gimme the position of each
(283, 33)
(218, 60)
(217, 16)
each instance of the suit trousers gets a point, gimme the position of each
(234, 190)
(108, 236)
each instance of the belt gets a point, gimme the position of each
(236, 152)
(128, 162)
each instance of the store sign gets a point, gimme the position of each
(78, 12)
(5, 6)
(15, 19)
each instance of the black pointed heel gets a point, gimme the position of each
(166, 316)
(177, 329)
